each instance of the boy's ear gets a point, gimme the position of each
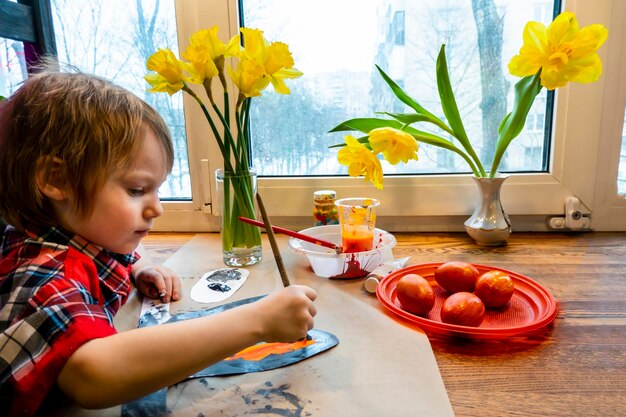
(50, 178)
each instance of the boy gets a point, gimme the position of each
(81, 161)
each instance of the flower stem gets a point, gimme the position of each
(218, 138)
(526, 90)
(479, 173)
(226, 116)
(238, 192)
(243, 119)
(231, 144)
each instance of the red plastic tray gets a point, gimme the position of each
(531, 307)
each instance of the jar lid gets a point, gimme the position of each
(324, 195)
(370, 284)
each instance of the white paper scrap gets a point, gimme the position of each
(154, 311)
(218, 285)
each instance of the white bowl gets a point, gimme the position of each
(325, 262)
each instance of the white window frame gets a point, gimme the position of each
(583, 160)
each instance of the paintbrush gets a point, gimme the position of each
(270, 235)
(297, 235)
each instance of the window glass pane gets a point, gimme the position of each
(336, 44)
(12, 66)
(114, 39)
(621, 175)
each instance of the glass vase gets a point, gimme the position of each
(489, 225)
(241, 242)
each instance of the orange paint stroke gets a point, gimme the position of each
(262, 350)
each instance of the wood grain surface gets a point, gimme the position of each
(575, 367)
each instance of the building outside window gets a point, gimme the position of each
(397, 27)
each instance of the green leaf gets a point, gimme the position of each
(503, 123)
(450, 108)
(440, 142)
(2, 98)
(364, 140)
(407, 118)
(365, 124)
(423, 115)
(404, 97)
(526, 90)
(448, 102)
(430, 138)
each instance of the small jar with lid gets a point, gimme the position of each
(324, 209)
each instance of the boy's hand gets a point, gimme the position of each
(287, 315)
(158, 281)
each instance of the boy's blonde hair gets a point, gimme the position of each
(86, 123)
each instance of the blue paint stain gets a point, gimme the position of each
(219, 287)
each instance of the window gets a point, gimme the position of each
(12, 66)
(546, 173)
(599, 123)
(12, 58)
(412, 66)
(290, 132)
(24, 35)
(114, 39)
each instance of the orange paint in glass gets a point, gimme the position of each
(357, 240)
(358, 221)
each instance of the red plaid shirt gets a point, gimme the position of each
(57, 291)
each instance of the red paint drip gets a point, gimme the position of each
(353, 269)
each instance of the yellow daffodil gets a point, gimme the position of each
(169, 75)
(279, 66)
(395, 145)
(249, 77)
(563, 52)
(258, 64)
(275, 59)
(206, 53)
(254, 43)
(361, 161)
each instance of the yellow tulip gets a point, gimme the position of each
(169, 75)
(395, 145)
(361, 161)
(562, 51)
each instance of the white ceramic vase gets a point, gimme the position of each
(489, 225)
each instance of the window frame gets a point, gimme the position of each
(578, 165)
(610, 208)
(29, 21)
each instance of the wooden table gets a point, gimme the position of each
(576, 367)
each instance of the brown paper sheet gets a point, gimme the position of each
(381, 367)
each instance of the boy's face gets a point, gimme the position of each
(126, 206)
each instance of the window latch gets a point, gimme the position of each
(574, 218)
